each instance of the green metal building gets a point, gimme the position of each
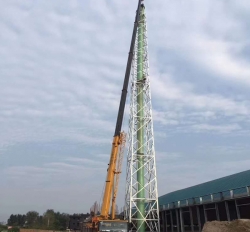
(224, 199)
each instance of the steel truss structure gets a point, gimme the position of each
(141, 197)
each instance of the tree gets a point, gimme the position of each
(11, 220)
(16, 220)
(3, 227)
(49, 219)
(32, 219)
(61, 221)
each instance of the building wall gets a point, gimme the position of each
(193, 218)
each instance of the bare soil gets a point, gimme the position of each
(242, 225)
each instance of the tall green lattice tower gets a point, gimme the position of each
(141, 207)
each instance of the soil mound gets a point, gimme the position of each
(242, 225)
(216, 226)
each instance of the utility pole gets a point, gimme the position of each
(141, 203)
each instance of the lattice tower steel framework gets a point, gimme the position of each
(141, 197)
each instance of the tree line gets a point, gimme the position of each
(50, 220)
(3, 227)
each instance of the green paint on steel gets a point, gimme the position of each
(140, 128)
(223, 184)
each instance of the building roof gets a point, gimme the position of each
(235, 181)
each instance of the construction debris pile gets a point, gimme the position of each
(242, 225)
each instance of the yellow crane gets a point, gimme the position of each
(106, 221)
(118, 172)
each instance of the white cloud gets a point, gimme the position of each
(217, 128)
(85, 161)
(220, 57)
(58, 171)
(180, 107)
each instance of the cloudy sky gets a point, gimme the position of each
(61, 71)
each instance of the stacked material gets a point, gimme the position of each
(242, 225)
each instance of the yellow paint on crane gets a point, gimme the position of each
(110, 178)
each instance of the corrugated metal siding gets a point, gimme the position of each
(222, 184)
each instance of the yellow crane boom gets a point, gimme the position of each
(110, 177)
(118, 172)
(103, 222)
(117, 139)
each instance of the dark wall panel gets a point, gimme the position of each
(210, 209)
(232, 210)
(222, 211)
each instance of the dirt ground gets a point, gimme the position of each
(242, 225)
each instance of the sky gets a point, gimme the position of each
(61, 72)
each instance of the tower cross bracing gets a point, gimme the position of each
(141, 197)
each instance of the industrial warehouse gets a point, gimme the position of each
(223, 199)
